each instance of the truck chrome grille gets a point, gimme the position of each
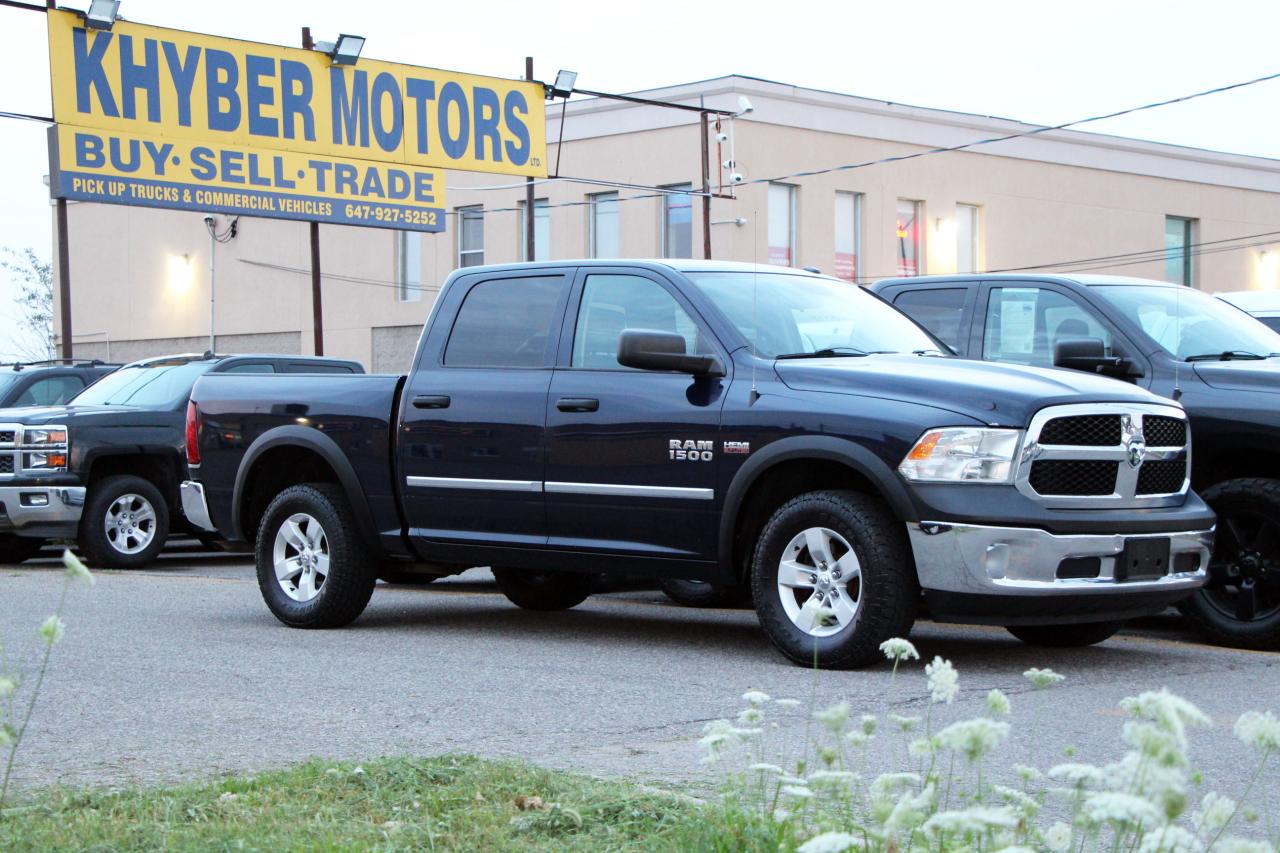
(6, 464)
(1106, 455)
(8, 436)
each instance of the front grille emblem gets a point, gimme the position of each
(1135, 450)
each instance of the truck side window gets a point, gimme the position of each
(1025, 323)
(940, 310)
(53, 391)
(612, 304)
(504, 322)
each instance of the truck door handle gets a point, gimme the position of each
(431, 401)
(577, 404)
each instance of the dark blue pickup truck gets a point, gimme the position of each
(708, 421)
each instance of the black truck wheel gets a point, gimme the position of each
(18, 549)
(314, 570)
(703, 594)
(1065, 636)
(544, 590)
(1240, 606)
(839, 550)
(125, 523)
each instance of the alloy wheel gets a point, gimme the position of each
(818, 570)
(301, 557)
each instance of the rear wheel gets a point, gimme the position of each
(832, 579)
(1065, 636)
(544, 590)
(1240, 606)
(18, 549)
(124, 524)
(703, 594)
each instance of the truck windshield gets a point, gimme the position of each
(1189, 324)
(161, 385)
(797, 315)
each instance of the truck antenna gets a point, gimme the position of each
(755, 303)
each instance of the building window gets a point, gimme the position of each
(1178, 240)
(602, 239)
(677, 223)
(848, 235)
(967, 233)
(907, 234)
(782, 225)
(541, 230)
(470, 236)
(408, 266)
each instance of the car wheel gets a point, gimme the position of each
(832, 578)
(125, 523)
(1240, 606)
(314, 570)
(703, 594)
(544, 590)
(1065, 636)
(18, 549)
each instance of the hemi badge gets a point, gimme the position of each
(741, 448)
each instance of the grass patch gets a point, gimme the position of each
(447, 803)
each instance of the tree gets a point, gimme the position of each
(34, 301)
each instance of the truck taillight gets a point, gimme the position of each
(194, 424)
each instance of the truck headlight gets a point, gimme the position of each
(963, 455)
(46, 461)
(50, 435)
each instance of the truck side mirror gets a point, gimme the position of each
(1089, 355)
(649, 350)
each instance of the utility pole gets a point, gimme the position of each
(529, 249)
(704, 125)
(64, 281)
(317, 309)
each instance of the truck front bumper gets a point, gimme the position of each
(1028, 576)
(41, 511)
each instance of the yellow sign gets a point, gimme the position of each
(148, 115)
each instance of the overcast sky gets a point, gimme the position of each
(1033, 61)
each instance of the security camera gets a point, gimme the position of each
(729, 164)
(745, 106)
(736, 178)
(722, 137)
(208, 219)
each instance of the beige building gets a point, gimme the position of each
(1061, 200)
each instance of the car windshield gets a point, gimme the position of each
(795, 315)
(160, 385)
(1189, 324)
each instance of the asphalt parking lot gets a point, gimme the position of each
(179, 672)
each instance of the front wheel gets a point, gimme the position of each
(313, 568)
(544, 590)
(832, 578)
(1065, 636)
(18, 549)
(124, 524)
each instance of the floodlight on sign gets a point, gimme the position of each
(347, 50)
(563, 87)
(102, 14)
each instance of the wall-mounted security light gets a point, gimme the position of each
(744, 106)
(344, 51)
(102, 14)
(563, 87)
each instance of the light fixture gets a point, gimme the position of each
(180, 272)
(345, 51)
(563, 87)
(102, 14)
(744, 106)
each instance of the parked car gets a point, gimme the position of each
(48, 383)
(105, 469)
(673, 419)
(1172, 340)
(1263, 305)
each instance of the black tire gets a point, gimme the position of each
(702, 594)
(400, 578)
(888, 591)
(352, 571)
(544, 590)
(18, 549)
(1065, 636)
(114, 549)
(1241, 604)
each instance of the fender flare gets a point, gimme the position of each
(291, 435)
(855, 456)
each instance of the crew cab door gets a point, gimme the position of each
(632, 454)
(470, 448)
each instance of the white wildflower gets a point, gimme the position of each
(1161, 781)
(1019, 800)
(226, 797)
(7, 686)
(1257, 729)
(922, 747)
(76, 569)
(856, 739)
(52, 629)
(831, 842)
(1215, 811)
(911, 810)
(904, 724)
(1234, 844)
(869, 724)
(787, 703)
(1169, 712)
(358, 771)
(762, 767)
(1026, 772)
(781, 815)
(821, 615)
(997, 702)
(1170, 839)
(970, 821)
(750, 716)
(717, 734)
(1058, 838)
(944, 681)
(755, 698)
(898, 649)
(1015, 848)
(887, 783)
(1120, 808)
(834, 717)
(973, 737)
(835, 778)
(1078, 775)
(1042, 678)
(1156, 741)
(800, 792)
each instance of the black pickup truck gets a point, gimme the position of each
(48, 383)
(1222, 365)
(105, 468)
(707, 421)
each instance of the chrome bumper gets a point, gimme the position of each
(25, 506)
(1023, 561)
(194, 506)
